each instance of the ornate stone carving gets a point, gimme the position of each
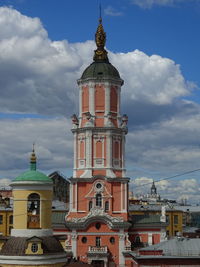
(94, 212)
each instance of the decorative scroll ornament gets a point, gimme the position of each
(100, 54)
(100, 213)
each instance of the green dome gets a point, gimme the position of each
(100, 70)
(33, 175)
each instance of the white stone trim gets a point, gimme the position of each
(75, 154)
(31, 232)
(35, 260)
(76, 197)
(71, 197)
(123, 155)
(143, 232)
(107, 98)
(74, 242)
(98, 233)
(80, 105)
(121, 248)
(150, 238)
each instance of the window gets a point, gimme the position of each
(107, 206)
(90, 205)
(175, 219)
(11, 219)
(98, 185)
(98, 241)
(112, 240)
(167, 218)
(34, 203)
(98, 200)
(137, 239)
(1, 219)
(84, 239)
(34, 247)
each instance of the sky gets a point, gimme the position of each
(44, 48)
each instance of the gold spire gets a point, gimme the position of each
(100, 54)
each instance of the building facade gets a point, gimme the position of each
(98, 212)
(32, 242)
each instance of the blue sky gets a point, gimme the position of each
(45, 46)
(168, 30)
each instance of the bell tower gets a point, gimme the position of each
(99, 186)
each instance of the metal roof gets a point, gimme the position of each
(178, 246)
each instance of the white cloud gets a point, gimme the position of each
(150, 78)
(111, 11)
(53, 139)
(151, 3)
(39, 75)
(168, 189)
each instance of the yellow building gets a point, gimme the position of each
(6, 221)
(31, 242)
(174, 217)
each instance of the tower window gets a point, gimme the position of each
(34, 247)
(112, 240)
(98, 241)
(106, 206)
(98, 200)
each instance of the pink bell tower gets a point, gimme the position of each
(98, 214)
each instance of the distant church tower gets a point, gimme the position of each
(32, 242)
(97, 219)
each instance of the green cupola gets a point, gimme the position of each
(32, 174)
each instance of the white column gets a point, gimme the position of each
(88, 151)
(109, 150)
(150, 239)
(91, 99)
(80, 105)
(123, 155)
(76, 197)
(75, 154)
(118, 100)
(74, 243)
(107, 99)
(121, 249)
(118, 105)
(71, 198)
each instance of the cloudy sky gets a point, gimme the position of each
(45, 46)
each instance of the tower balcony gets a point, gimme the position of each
(98, 250)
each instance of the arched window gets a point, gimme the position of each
(33, 209)
(34, 203)
(98, 200)
(106, 206)
(90, 205)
